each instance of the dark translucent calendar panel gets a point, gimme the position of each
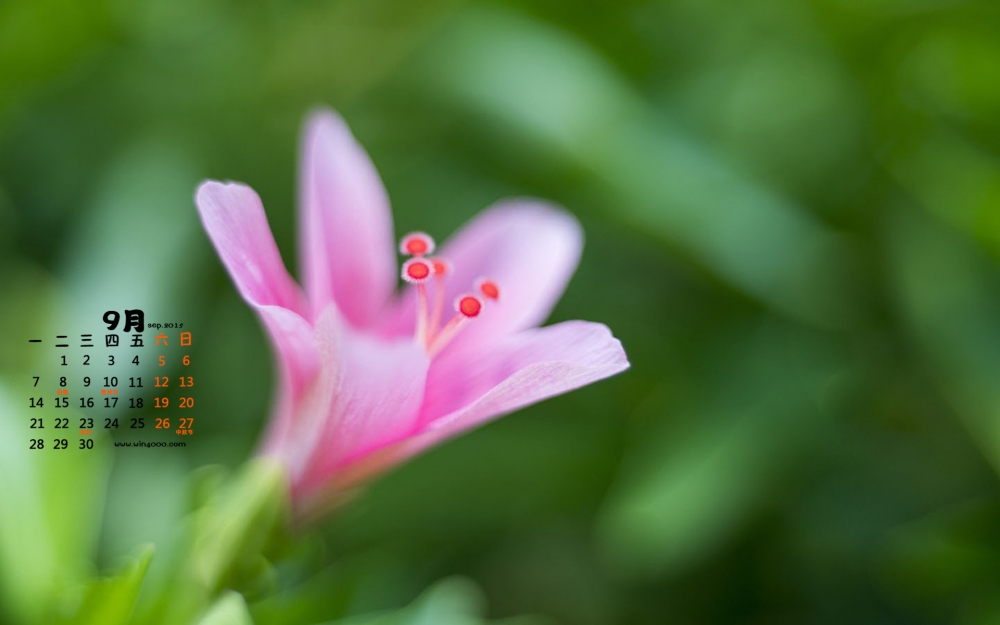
(98, 381)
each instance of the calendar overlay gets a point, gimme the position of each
(103, 379)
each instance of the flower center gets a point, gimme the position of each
(421, 272)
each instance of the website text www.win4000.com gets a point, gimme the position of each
(150, 444)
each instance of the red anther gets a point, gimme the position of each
(469, 306)
(416, 270)
(488, 288)
(441, 266)
(416, 244)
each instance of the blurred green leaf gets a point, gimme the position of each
(957, 182)
(687, 490)
(145, 504)
(39, 39)
(225, 539)
(945, 558)
(49, 520)
(230, 609)
(450, 602)
(110, 601)
(947, 293)
(239, 519)
(321, 44)
(956, 67)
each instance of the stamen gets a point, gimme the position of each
(441, 269)
(488, 288)
(416, 244)
(420, 269)
(441, 266)
(467, 307)
(416, 271)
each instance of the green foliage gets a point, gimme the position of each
(230, 609)
(49, 517)
(449, 602)
(111, 601)
(686, 491)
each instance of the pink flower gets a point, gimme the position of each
(366, 378)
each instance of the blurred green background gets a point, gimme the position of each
(792, 211)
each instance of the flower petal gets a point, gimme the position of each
(528, 247)
(297, 365)
(347, 254)
(234, 219)
(371, 396)
(526, 368)
(464, 392)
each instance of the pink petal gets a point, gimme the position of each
(347, 254)
(371, 395)
(528, 247)
(234, 218)
(465, 390)
(297, 365)
(525, 368)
